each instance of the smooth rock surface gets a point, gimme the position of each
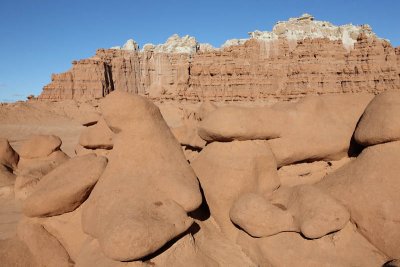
(98, 136)
(147, 200)
(380, 122)
(369, 187)
(66, 187)
(228, 170)
(40, 146)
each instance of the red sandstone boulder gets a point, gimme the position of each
(145, 200)
(380, 122)
(66, 187)
(369, 187)
(228, 170)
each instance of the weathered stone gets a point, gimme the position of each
(66, 187)
(369, 187)
(380, 122)
(40, 146)
(228, 170)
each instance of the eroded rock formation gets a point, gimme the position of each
(297, 57)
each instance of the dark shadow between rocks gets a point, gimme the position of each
(355, 149)
(391, 263)
(202, 213)
(193, 229)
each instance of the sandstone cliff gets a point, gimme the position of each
(297, 57)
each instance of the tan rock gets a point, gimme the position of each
(14, 252)
(228, 170)
(318, 130)
(7, 178)
(46, 249)
(40, 146)
(258, 217)
(182, 253)
(126, 237)
(187, 136)
(91, 255)
(90, 118)
(66, 187)
(39, 167)
(308, 173)
(311, 129)
(316, 213)
(302, 209)
(67, 229)
(368, 186)
(97, 136)
(30, 171)
(241, 123)
(8, 157)
(81, 151)
(380, 122)
(344, 248)
(147, 200)
(215, 245)
(205, 108)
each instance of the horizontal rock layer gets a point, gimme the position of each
(258, 68)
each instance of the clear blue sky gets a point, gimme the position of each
(43, 37)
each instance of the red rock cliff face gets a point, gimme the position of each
(262, 70)
(256, 69)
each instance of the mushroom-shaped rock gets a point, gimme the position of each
(228, 170)
(46, 249)
(97, 136)
(148, 198)
(258, 217)
(66, 187)
(369, 187)
(315, 212)
(380, 122)
(40, 146)
(8, 157)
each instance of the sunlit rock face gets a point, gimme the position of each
(298, 57)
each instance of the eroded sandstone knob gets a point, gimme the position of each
(305, 209)
(40, 146)
(311, 129)
(141, 200)
(380, 122)
(8, 157)
(369, 187)
(228, 170)
(258, 217)
(66, 187)
(98, 136)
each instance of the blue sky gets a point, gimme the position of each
(41, 37)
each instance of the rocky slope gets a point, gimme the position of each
(298, 57)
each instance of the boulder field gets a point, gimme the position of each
(309, 183)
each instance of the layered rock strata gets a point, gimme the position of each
(298, 57)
